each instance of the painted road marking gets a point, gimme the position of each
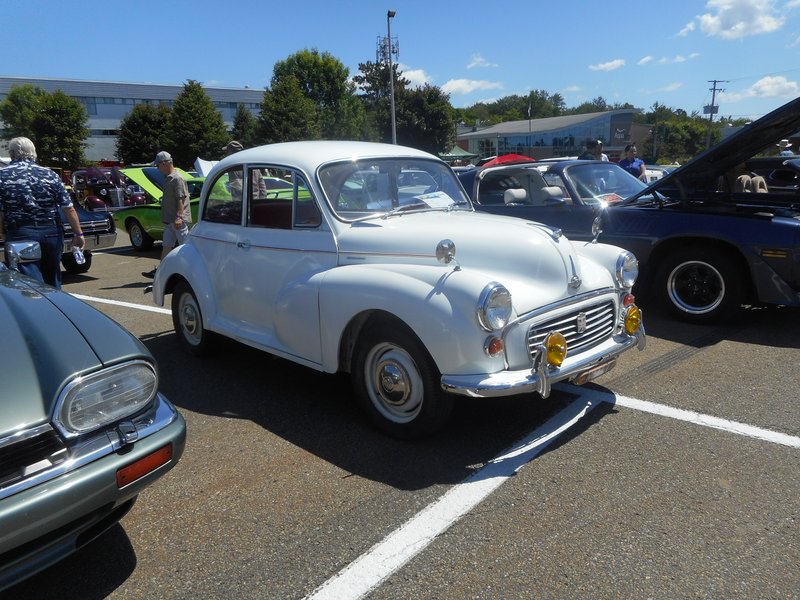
(382, 560)
(370, 569)
(156, 309)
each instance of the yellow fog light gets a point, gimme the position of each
(633, 319)
(556, 347)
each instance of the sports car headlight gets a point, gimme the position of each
(101, 398)
(627, 269)
(494, 307)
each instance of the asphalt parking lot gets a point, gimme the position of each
(674, 476)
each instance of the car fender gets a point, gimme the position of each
(434, 302)
(184, 263)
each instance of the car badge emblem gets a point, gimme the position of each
(580, 322)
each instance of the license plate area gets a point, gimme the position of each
(594, 372)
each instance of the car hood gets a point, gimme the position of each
(46, 337)
(751, 139)
(532, 258)
(137, 175)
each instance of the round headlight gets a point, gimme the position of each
(494, 307)
(556, 346)
(627, 269)
(99, 399)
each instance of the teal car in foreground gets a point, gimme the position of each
(83, 427)
(143, 222)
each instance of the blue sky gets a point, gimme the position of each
(639, 52)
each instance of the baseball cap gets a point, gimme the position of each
(233, 146)
(162, 156)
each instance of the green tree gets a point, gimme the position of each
(198, 129)
(18, 110)
(287, 114)
(244, 127)
(59, 131)
(325, 81)
(143, 132)
(55, 123)
(375, 96)
(425, 119)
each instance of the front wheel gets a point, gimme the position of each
(140, 240)
(701, 285)
(397, 383)
(188, 321)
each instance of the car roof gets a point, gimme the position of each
(308, 155)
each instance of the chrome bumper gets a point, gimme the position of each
(541, 377)
(93, 241)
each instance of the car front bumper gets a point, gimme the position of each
(46, 522)
(539, 379)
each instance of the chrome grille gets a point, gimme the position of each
(22, 458)
(599, 326)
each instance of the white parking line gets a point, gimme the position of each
(156, 309)
(371, 568)
(366, 573)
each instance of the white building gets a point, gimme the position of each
(107, 103)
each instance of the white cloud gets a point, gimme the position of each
(766, 87)
(416, 77)
(672, 87)
(611, 65)
(645, 60)
(571, 89)
(466, 86)
(736, 19)
(479, 61)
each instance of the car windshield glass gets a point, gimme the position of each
(374, 187)
(603, 183)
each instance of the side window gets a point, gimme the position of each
(278, 206)
(224, 202)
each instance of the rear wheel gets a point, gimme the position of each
(701, 285)
(397, 382)
(188, 321)
(140, 240)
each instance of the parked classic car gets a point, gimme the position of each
(704, 250)
(104, 188)
(83, 427)
(406, 288)
(143, 223)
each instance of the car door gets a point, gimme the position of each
(282, 251)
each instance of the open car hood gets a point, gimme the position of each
(702, 171)
(153, 184)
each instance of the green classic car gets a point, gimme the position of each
(143, 222)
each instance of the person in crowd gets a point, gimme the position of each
(32, 199)
(785, 146)
(176, 214)
(632, 164)
(259, 185)
(594, 151)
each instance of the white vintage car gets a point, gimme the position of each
(374, 263)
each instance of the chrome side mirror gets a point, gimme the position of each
(21, 252)
(597, 227)
(446, 252)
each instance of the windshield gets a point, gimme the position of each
(603, 183)
(373, 187)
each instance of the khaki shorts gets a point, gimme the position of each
(174, 237)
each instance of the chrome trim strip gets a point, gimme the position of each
(25, 434)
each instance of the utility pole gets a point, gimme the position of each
(711, 109)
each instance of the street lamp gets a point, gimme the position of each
(389, 16)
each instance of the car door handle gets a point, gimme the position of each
(244, 245)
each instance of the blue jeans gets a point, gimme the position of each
(51, 239)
